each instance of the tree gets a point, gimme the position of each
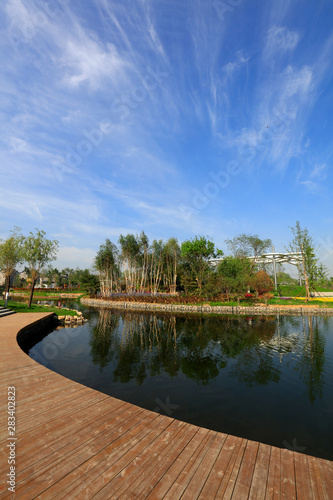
(143, 259)
(155, 268)
(248, 245)
(88, 282)
(322, 275)
(130, 248)
(196, 253)
(308, 266)
(234, 273)
(11, 254)
(37, 252)
(106, 263)
(171, 257)
(68, 276)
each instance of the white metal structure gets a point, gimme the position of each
(293, 258)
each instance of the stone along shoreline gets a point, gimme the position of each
(259, 309)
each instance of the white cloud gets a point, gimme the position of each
(319, 171)
(18, 14)
(39, 206)
(17, 145)
(283, 104)
(312, 187)
(279, 41)
(295, 82)
(74, 257)
(231, 67)
(89, 62)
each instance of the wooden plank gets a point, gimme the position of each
(219, 469)
(274, 475)
(302, 476)
(202, 474)
(62, 439)
(106, 472)
(164, 484)
(81, 459)
(141, 461)
(260, 473)
(288, 485)
(182, 481)
(244, 478)
(323, 472)
(228, 481)
(155, 468)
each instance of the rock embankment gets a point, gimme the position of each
(72, 320)
(258, 309)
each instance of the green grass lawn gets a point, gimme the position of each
(231, 303)
(297, 291)
(276, 302)
(22, 307)
(298, 302)
(47, 293)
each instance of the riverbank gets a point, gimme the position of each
(258, 309)
(22, 307)
(47, 296)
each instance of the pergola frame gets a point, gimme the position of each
(293, 258)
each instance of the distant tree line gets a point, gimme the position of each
(135, 264)
(139, 266)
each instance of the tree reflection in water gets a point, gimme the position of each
(199, 347)
(311, 363)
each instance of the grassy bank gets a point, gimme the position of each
(301, 301)
(46, 295)
(296, 291)
(22, 307)
(277, 302)
(198, 301)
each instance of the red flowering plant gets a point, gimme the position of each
(249, 297)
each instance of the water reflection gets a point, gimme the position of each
(311, 363)
(143, 345)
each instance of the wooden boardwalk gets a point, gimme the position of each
(74, 442)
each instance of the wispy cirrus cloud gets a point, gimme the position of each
(87, 61)
(279, 40)
(319, 171)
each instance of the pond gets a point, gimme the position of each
(269, 379)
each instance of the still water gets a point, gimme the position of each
(267, 379)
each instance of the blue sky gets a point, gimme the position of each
(176, 118)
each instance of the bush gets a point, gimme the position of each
(249, 297)
(261, 283)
